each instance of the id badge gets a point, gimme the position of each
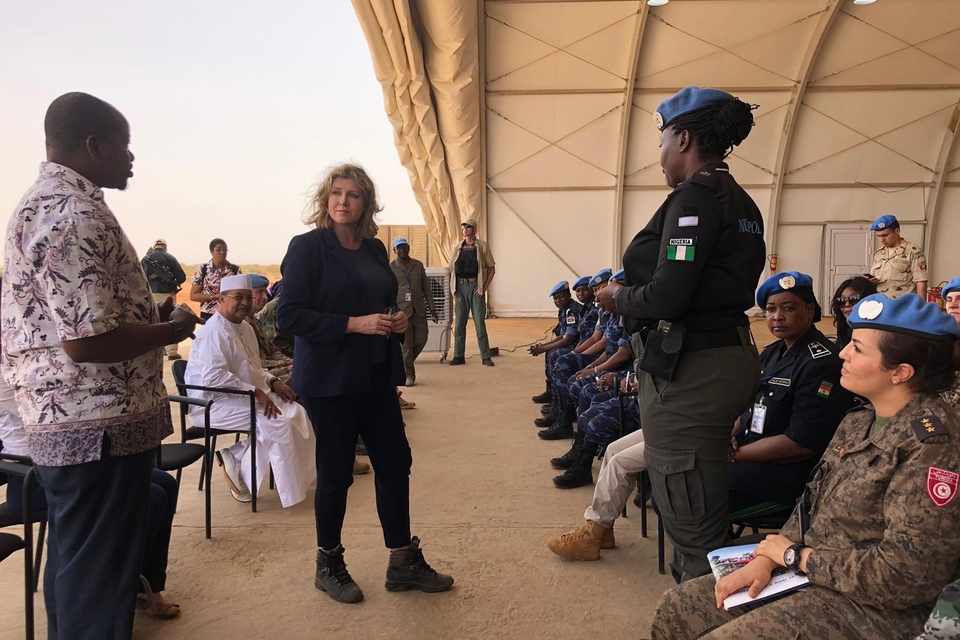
(759, 417)
(407, 297)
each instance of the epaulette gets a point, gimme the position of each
(817, 350)
(928, 426)
(706, 177)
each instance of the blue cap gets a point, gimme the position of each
(953, 285)
(582, 282)
(883, 222)
(907, 314)
(257, 280)
(560, 287)
(400, 241)
(601, 277)
(620, 275)
(685, 101)
(799, 284)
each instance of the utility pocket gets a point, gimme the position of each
(677, 485)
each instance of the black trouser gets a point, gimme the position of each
(375, 416)
(97, 519)
(163, 505)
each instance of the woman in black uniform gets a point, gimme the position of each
(691, 274)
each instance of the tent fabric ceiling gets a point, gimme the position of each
(858, 111)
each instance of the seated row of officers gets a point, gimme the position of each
(774, 445)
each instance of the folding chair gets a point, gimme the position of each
(9, 543)
(176, 456)
(195, 433)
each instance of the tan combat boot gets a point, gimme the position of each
(583, 543)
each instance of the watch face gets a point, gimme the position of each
(790, 556)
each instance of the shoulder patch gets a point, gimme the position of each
(928, 426)
(817, 350)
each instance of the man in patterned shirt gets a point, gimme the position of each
(83, 348)
(899, 266)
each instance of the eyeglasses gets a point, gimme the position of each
(241, 298)
(851, 300)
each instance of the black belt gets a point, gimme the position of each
(703, 340)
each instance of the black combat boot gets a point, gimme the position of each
(581, 472)
(562, 428)
(548, 419)
(544, 397)
(333, 577)
(566, 460)
(547, 408)
(408, 570)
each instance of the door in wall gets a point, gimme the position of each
(849, 253)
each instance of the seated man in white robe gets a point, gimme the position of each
(225, 354)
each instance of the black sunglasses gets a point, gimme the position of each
(853, 299)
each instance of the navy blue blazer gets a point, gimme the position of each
(321, 291)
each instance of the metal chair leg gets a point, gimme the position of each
(661, 553)
(642, 489)
(41, 537)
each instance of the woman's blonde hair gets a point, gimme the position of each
(318, 215)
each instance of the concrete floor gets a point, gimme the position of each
(482, 503)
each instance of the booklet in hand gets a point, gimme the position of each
(728, 559)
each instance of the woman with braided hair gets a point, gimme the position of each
(691, 275)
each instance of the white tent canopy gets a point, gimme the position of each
(546, 135)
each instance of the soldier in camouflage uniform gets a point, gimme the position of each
(944, 622)
(268, 321)
(884, 525)
(272, 359)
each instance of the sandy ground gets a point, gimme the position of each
(482, 503)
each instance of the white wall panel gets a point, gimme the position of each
(850, 204)
(800, 248)
(946, 241)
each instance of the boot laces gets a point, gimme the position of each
(418, 563)
(336, 568)
(573, 536)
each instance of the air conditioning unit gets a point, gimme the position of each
(438, 336)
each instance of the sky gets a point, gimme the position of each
(235, 108)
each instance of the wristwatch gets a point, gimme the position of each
(177, 331)
(791, 557)
(273, 382)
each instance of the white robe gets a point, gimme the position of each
(227, 355)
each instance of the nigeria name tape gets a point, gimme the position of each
(685, 101)
(257, 280)
(233, 283)
(560, 287)
(907, 314)
(883, 222)
(582, 282)
(601, 277)
(950, 287)
(620, 275)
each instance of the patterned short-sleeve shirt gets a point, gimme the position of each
(208, 277)
(899, 269)
(71, 273)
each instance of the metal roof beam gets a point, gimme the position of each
(935, 200)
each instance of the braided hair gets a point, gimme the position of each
(717, 127)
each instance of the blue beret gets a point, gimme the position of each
(560, 287)
(257, 280)
(582, 282)
(685, 101)
(400, 241)
(601, 277)
(883, 222)
(953, 285)
(620, 275)
(786, 281)
(907, 314)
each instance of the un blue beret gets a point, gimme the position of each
(791, 281)
(601, 277)
(582, 282)
(560, 287)
(685, 101)
(257, 280)
(620, 275)
(953, 285)
(400, 241)
(907, 314)
(883, 222)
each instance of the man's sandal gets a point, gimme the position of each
(146, 604)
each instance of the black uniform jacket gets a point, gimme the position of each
(804, 400)
(699, 258)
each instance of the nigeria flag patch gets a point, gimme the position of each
(681, 249)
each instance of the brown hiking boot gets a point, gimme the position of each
(583, 543)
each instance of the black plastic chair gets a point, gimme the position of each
(766, 515)
(195, 433)
(176, 456)
(9, 543)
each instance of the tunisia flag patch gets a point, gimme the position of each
(942, 485)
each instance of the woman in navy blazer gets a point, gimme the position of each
(337, 300)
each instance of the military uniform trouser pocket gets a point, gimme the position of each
(677, 484)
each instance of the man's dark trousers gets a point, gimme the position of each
(97, 527)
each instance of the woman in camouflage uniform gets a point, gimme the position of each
(884, 526)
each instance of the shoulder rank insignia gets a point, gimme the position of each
(817, 350)
(928, 426)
